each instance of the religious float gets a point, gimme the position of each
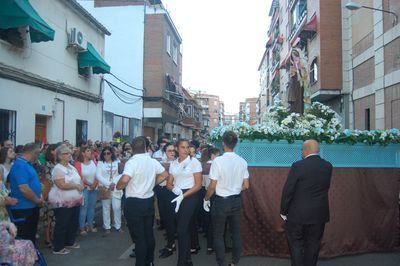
(364, 193)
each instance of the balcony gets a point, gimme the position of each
(298, 17)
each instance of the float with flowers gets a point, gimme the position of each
(364, 193)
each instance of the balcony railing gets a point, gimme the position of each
(296, 26)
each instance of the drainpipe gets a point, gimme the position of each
(101, 91)
(63, 120)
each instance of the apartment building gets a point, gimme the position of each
(371, 64)
(212, 109)
(304, 37)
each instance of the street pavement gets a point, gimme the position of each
(114, 249)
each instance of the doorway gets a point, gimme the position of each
(41, 128)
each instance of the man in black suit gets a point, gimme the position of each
(305, 206)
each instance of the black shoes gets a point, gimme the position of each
(133, 254)
(195, 250)
(210, 251)
(189, 263)
(165, 253)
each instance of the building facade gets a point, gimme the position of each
(371, 65)
(304, 46)
(212, 109)
(248, 111)
(50, 76)
(166, 102)
(123, 90)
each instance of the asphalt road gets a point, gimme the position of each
(114, 249)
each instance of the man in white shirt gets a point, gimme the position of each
(229, 176)
(140, 175)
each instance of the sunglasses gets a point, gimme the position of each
(107, 153)
(170, 150)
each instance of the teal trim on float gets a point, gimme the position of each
(282, 154)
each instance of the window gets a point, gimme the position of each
(81, 131)
(367, 119)
(175, 53)
(125, 126)
(12, 36)
(297, 13)
(168, 44)
(314, 71)
(8, 121)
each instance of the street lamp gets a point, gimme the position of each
(355, 6)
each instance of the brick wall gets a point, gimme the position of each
(330, 31)
(364, 74)
(360, 106)
(392, 106)
(392, 56)
(154, 80)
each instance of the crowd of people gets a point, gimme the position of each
(55, 188)
(182, 185)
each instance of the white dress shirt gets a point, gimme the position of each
(229, 170)
(183, 172)
(143, 171)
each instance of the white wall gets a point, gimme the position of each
(51, 60)
(124, 52)
(29, 101)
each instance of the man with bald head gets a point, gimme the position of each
(305, 206)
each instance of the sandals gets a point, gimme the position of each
(63, 251)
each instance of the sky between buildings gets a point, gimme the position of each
(223, 43)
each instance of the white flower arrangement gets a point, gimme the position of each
(319, 122)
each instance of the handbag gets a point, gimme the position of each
(103, 192)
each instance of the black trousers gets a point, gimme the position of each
(194, 234)
(222, 211)
(139, 214)
(167, 209)
(28, 228)
(67, 223)
(184, 218)
(304, 242)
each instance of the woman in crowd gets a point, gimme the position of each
(126, 151)
(87, 171)
(47, 183)
(66, 198)
(208, 154)
(165, 197)
(185, 182)
(107, 175)
(7, 156)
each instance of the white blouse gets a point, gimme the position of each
(106, 174)
(89, 172)
(65, 198)
(183, 172)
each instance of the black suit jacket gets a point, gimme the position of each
(305, 194)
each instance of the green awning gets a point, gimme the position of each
(91, 58)
(20, 13)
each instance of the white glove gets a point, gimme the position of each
(206, 205)
(177, 191)
(284, 217)
(178, 201)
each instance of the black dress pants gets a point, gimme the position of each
(27, 229)
(226, 210)
(184, 218)
(67, 223)
(304, 242)
(139, 214)
(168, 209)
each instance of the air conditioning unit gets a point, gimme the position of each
(76, 39)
